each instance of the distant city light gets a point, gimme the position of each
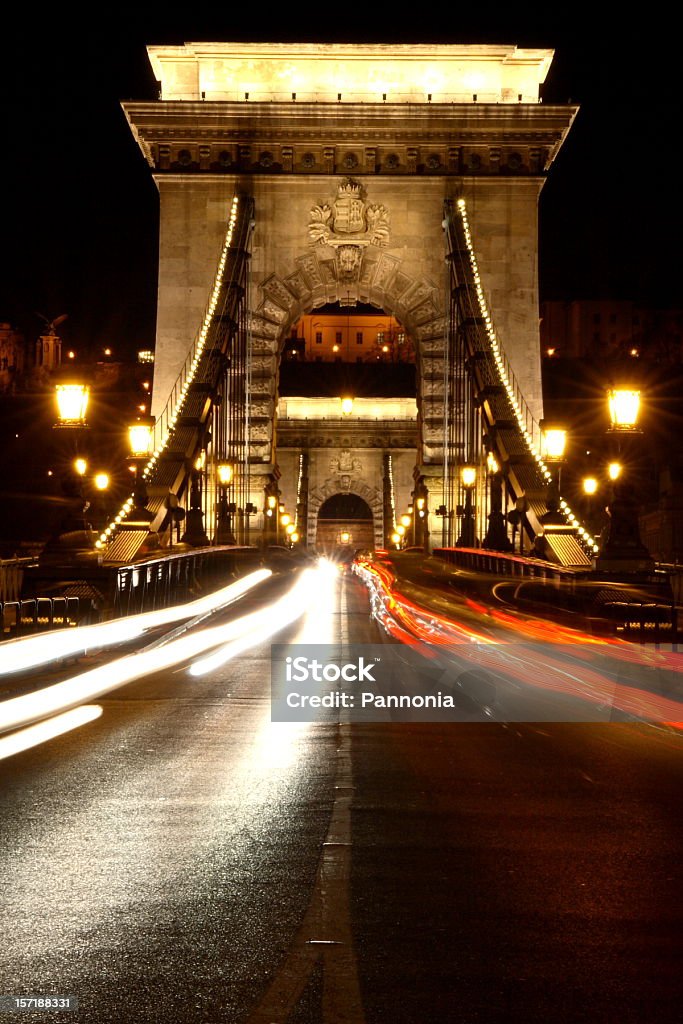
(146, 356)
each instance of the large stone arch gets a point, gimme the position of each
(317, 279)
(343, 484)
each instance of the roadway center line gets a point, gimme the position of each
(325, 936)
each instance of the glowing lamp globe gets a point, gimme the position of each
(624, 408)
(468, 476)
(72, 403)
(553, 444)
(141, 437)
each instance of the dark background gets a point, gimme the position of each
(79, 208)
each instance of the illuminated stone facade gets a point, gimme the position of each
(349, 153)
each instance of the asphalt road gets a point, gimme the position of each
(184, 859)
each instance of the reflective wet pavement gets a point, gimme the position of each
(185, 859)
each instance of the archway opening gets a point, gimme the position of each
(344, 525)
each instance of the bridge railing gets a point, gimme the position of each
(162, 582)
(641, 611)
(11, 577)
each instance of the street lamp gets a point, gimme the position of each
(496, 538)
(272, 512)
(140, 443)
(195, 533)
(468, 479)
(224, 533)
(623, 552)
(420, 515)
(346, 406)
(72, 404)
(624, 409)
(553, 447)
(75, 537)
(593, 519)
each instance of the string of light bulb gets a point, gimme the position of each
(500, 361)
(106, 536)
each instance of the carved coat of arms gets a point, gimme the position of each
(348, 226)
(345, 463)
(350, 220)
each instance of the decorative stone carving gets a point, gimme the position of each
(278, 291)
(345, 463)
(350, 220)
(349, 260)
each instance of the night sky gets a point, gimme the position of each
(79, 208)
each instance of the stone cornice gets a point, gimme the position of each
(301, 131)
(307, 434)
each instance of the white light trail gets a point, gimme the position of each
(303, 596)
(43, 731)
(30, 652)
(32, 707)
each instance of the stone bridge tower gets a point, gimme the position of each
(349, 152)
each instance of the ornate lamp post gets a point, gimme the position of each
(72, 403)
(140, 443)
(224, 532)
(468, 479)
(553, 447)
(271, 512)
(195, 533)
(420, 514)
(623, 552)
(75, 538)
(496, 538)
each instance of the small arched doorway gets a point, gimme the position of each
(344, 525)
